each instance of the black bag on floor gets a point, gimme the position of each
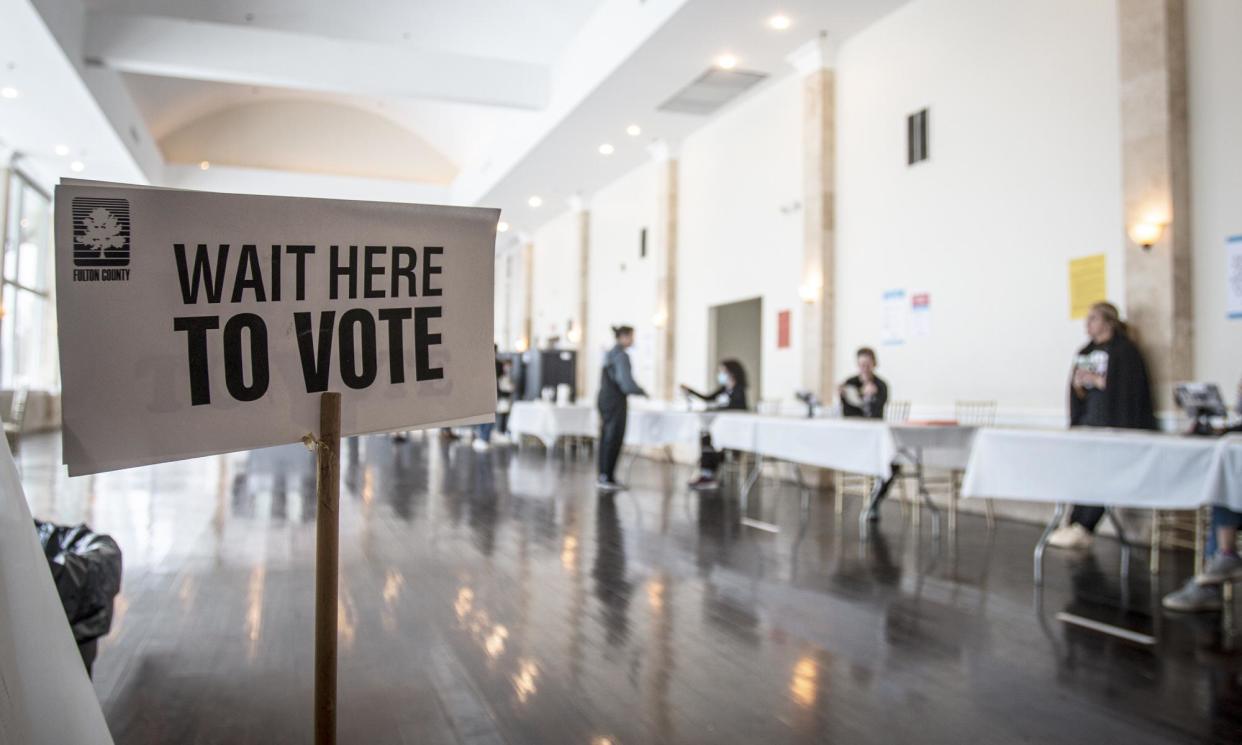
(86, 567)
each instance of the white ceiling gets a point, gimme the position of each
(53, 106)
(536, 31)
(504, 98)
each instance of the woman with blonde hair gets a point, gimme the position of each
(1109, 387)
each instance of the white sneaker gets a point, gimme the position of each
(480, 446)
(1071, 536)
(1222, 568)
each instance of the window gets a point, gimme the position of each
(28, 355)
(916, 138)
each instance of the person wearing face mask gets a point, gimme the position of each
(1109, 387)
(730, 395)
(616, 384)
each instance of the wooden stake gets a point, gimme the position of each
(327, 551)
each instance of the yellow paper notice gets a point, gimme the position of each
(1088, 284)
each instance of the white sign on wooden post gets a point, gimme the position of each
(194, 323)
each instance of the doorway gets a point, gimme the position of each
(736, 330)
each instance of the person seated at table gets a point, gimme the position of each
(1109, 387)
(1203, 592)
(864, 396)
(730, 395)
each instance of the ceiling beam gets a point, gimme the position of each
(66, 20)
(247, 55)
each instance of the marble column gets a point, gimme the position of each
(582, 228)
(527, 340)
(665, 245)
(5, 178)
(1156, 185)
(819, 216)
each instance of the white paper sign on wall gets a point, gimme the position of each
(194, 323)
(894, 317)
(1233, 276)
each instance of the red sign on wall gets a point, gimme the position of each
(782, 329)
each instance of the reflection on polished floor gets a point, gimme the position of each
(495, 598)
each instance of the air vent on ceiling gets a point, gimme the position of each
(711, 90)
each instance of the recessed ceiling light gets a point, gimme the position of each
(61, 150)
(8, 91)
(779, 22)
(77, 166)
(726, 62)
(535, 201)
(633, 130)
(606, 149)
(204, 165)
(502, 227)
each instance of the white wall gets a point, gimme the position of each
(622, 285)
(735, 243)
(1215, 62)
(1024, 175)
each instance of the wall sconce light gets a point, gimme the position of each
(660, 319)
(522, 344)
(1146, 234)
(809, 292)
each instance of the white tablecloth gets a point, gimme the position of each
(548, 422)
(857, 446)
(939, 446)
(1225, 486)
(1099, 467)
(659, 427)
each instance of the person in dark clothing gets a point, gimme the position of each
(864, 396)
(504, 395)
(616, 383)
(483, 432)
(1109, 388)
(730, 395)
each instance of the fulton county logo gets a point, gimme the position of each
(100, 239)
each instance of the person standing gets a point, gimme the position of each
(483, 432)
(729, 396)
(1109, 387)
(615, 385)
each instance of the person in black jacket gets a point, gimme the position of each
(1109, 387)
(864, 396)
(730, 395)
(616, 383)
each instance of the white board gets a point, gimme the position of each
(194, 323)
(46, 697)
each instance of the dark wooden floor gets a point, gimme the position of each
(495, 598)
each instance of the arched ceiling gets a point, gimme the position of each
(307, 136)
